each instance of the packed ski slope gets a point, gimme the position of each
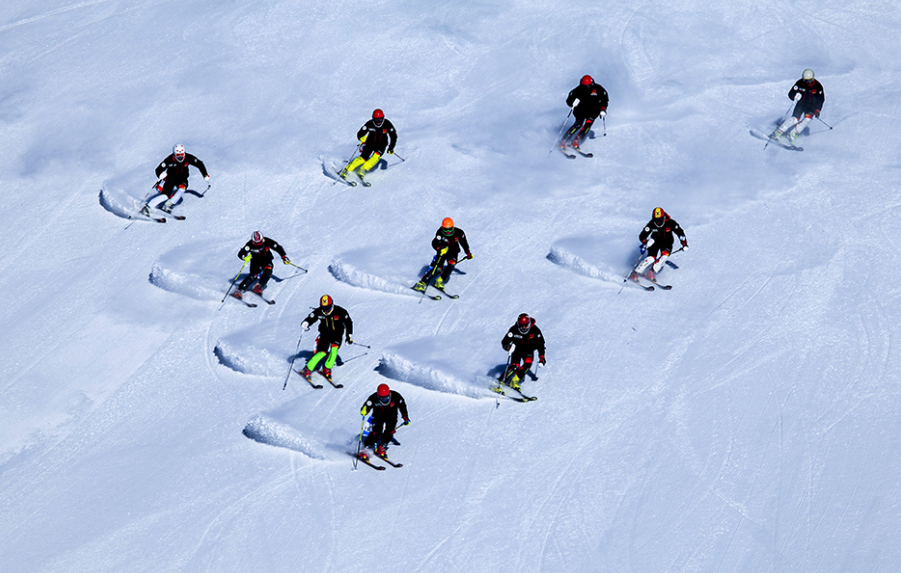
(747, 420)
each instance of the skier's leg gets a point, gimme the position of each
(332, 356)
(251, 274)
(661, 260)
(643, 265)
(356, 162)
(572, 130)
(265, 275)
(370, 163)
(586, 127)
(785, 126)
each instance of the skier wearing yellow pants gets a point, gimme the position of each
(334, 322)
(376, 137)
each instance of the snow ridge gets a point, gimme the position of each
(271, 432)
(353, 276)
(399, 368)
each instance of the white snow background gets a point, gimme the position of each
(747, 420)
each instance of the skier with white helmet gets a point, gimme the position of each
(588, 101)
(807, 93)
(258, 252)
(377, 136)
(172, 180)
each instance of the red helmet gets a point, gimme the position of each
(256, 238)
(326, 303)
(587, 80)
(383, 390)
(524, 322)
(378, 114)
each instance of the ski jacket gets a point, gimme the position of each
(592, 101)
(453, 243)
(379, 412)
(378, 139)
(177, 171)
(526, 344)
(812, 96)
(261, 253)
(662, 234)
(332, 326)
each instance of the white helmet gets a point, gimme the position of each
(179, 152)
(807, 75)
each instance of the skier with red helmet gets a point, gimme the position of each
(657, 244)
(377, 136)
(521, 342)
(258, 252)
(808, 95)
(172, 180)
(383, 405)
(448, 242)
(334, 324)
(588, 100)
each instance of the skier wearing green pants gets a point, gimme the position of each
(334, 324)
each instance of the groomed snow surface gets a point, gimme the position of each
(748, 420)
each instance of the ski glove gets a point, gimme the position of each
(541, 360)
(469, 256)
(443, 251)
(286, 260)
(406, 421)
(603, 114)
(247, 257)
(797, 97)
(349, 339)
(390, 152)
(207, 178)
(575, 102)
(512, 349)
(642, 249)
(304, 325)
(684, 246)
(162, 176)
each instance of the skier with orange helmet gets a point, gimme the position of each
(258, 252)
(448, 242)
(588, 100)
(383, 405)
(334, 323)
(657, 244)
(377, 136)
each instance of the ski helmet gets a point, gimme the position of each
(384, 393)
(447, 226)
(524, 323)
(587, 80)
(256, 238)
(179, 152)
(378, 114)
(326, 304)
(807, 75)
(660, 216)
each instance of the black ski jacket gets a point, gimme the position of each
(526, 344)
(334, 325)
(389, 412)
(177, 171)
(453, 243)
(262, 253)
(663, 234)
(812, 97)
(592, 100)
(378, 139)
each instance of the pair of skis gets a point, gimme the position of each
(366, 460)
(319, 386)
(237, 295)
(435, 296)
(563, 148)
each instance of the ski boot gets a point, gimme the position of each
(307, 375)
(439, 284)
(145, 210)
(343, 174)
(792, 138)
(381, 451)
(257, 289)
(514, 382)
(327, 372)
(633, 276)
(237, 294)
(363, 456)
(652, 276)
(167, 207)
(420, 286)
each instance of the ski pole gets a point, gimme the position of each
(560, 133)
(363, 345)
(293, 358)
(360, 441)
(208, 185)
(234, 281)
(824, 123)
(604, 121)
(781, 121)
(301, 268)
(399, 157)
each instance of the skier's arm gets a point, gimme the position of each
(392, 137)
(160, 169)
(464, 243)
(276, 247)
(244, 252)
(200, 166)
(402, 405)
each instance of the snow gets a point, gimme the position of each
(747, 420)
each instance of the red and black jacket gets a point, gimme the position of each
(177, 171)
(526, 344)
(261, 253)
(453, 243)
(378, 139)
(592, 100)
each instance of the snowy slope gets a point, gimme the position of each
(746, 420)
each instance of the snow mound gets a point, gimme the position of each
(593, 257)
(272, 432)
(117, 203)
(254, 351)
(193, 271)
(399, 368)
(185, 283)
(355, 276)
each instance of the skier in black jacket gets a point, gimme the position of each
(258, 252)
(334, 323)
(657, 243)
(448, 242)
(172, 179)
(522, 341)
(376, 137)
(588, 100)
(809, 97)
(384, 405)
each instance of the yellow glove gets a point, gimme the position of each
(363, 139)
(247, 258)
(363, 411)
(443, 251)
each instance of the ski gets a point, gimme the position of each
(454, 296)
(563, 151)
(389, 462)
(672, 264)
(237, 295)
(329, 380)
(310, 380)
(431, 296)
(521, 398)
(140, 215)
(663, 286)
(343, 180)
(583, 153)
(266, 300)
(635, 282)
(366, 461)
(777, 141)
(363, 181)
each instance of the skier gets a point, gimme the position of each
(657, 244)
(384, 405)
(258, 252)
(447, 243)
(172, 180)
(588, 100)
(376, 136)
(808, 96)
(334, 323)
(521, 342)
